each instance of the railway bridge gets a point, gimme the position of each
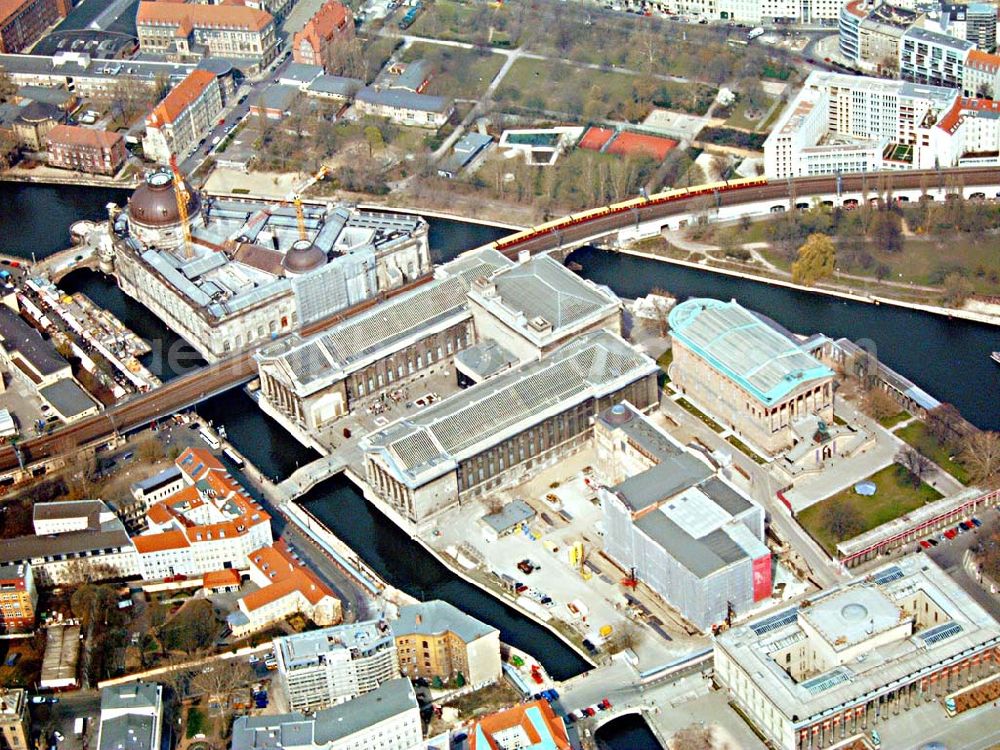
(634, 219)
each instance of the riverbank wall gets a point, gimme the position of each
(39, 177)
(871, 299)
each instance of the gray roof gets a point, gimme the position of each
(336, 86)
(413, 76)
(39, 351)
(305, 648)
(163, 478)
(277, 96)
(43, 65)
(112, 536)
(542, 287)
(402, 99)
(131, 696)
(67, 398)
(433, 441)
(36, 111)
(484, 359)
(935, 37)
(437, 617)
(702, 557)
(70, 509)
(47, 94)
(128, 732)
(512, 514)
(673, 474)
(725, 496)
(301, 73)
(329, 725)
(10, 572)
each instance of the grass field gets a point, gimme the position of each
(739, 117)
(895, 497)
(692, 409)
(458, 73)
(895, 419)
(916, 435)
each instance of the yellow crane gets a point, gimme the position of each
(296, 198)
(182, 195)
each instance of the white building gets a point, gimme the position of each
(838, 662)
(131, 717)
(758, 11)
(70, 515)
(321, 668)
(933, 58)
(210, 524)
(285, 586)
(185, 115)
(842, 123)
(385, 719)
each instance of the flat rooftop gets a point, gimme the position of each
(745, 347)
(965, 628)
(304, 649)
(433, 442)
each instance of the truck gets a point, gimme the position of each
(409, 18)
(754, 33)
(79, 723)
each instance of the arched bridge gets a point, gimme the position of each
(633, 218)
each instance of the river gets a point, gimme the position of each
(949, 358)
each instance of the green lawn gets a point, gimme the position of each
(740, 120)
(916, 435)
(895, 497)
(742, 447)
(458, 73)
(692, 409)
(890, 422)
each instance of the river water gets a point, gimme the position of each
(948, 358)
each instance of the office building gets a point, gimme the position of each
(404, 107)
(183, 118)
(18, 596)
(530, 725)
(385, 719)
(747, 372)
(190, 31)
(85, 149)
(439, 642)
(69, 515)
(322, 668)
(23, 22)
(495, 432)
(932, 58)
(315, 44)
(131, 717)
(676, 523)
(839, 662)
(15, 723)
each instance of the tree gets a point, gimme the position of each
(662, 302)
(8, 89)
(842, 520)
(879, 405)
(946, 425)
(957, 289)
(694, 737)
(151, 451)
(981, 456)
(817, 259)
(220, 680)
(916, 464)
(886, 229)
(373, 136)
(193, 628)
(625, 636)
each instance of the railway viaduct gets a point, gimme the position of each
(642, 220)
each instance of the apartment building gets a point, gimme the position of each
(437, 641)
(186, 31)
(15, 724)
(933, 58)
(18, 596)
(85, 149)
(22, 22)
(185, 115)
(321, 668)
(758, 11)
(131, 717)
(982, 75)
(333, 24)
(210, 524)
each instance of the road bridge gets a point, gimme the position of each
(578, 229)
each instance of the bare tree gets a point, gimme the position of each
(981, 456)
(625, 636)
(879, 405)
(660, 299)
(694, 737)
(842, 520)
(946, 425)
(220, 681)
(916, 464)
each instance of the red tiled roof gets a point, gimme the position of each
(203, 16)
(518, 716)
(286, 575)
(636, 143)
(180, 98)
(857, 8)
(331, 17)
(147, 543)
(983, 60)
(595, 138)
(953, 117)
(217, 579)
(74, 135)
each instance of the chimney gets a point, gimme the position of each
(523, 256)
(420, 619)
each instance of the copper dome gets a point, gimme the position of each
(303, 257)
(154, 202)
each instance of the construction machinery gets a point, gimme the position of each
(296, 198)
(183, 197)
(578, 559)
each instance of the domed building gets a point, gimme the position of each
(302, 258)
(154, 217)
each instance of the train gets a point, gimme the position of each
(509, 243)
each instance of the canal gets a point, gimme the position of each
(949, 358)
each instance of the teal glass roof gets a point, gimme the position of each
(745, 347)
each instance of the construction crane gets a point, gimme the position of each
(182, 195)
(296, 198)
(300, 216)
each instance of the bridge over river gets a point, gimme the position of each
(641, 219)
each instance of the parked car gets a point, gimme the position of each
(965, 526)
(934, 542)
(925, 544)
(976, 522)
(951, 533)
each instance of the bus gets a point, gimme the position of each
(233, 456)
(209, 438)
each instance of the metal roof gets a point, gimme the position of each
(18, 336)
(745, 347)
(402, 99)
(437, 617)
(67, 398)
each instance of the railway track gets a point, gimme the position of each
(189, 389)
